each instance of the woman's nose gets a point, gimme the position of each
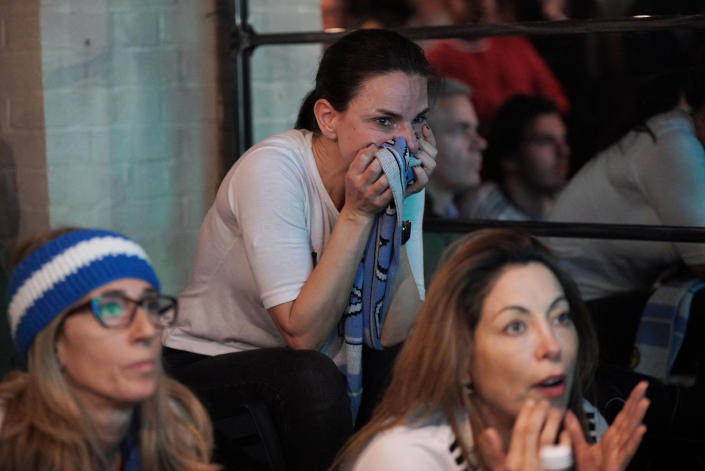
(142, 326)
(412, 138)
(548, 346)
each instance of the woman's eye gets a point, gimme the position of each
(564, 318)
(111, 309)
(152, 305)
(384, 122)
(515, 327)
(420, 119)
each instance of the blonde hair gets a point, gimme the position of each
(45, 428)
(431, 369)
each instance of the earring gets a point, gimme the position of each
(469, 389)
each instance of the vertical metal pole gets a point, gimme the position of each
(242, 53)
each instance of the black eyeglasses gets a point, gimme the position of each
(114, 309)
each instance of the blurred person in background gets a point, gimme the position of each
(377, 13)
(458, 163)
(430, 13)
(527, 162)
(333, 14)
(361, 14)
(459, 159)
(654, 174)
(494, 68)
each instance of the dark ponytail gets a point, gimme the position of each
(306, 118)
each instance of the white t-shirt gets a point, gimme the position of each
(490, 202)
(431, 445)
(639, 180)
(271, 219)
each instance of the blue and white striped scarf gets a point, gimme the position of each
(663, 326)
(371, 290)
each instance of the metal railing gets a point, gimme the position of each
(574, 229)
(245, 39)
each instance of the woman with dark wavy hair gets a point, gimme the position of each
(495, 369)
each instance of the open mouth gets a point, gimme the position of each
(553, 386)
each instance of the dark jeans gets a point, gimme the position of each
(303, 391)
(377, 372)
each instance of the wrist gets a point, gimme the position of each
(359, 218)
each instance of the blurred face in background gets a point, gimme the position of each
(332, 14)
(554, 9)
(460, 147)
(544, 156)
(474, 11)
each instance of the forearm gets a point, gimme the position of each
(306, 322)
(404, 306)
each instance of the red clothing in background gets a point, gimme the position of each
(504, 67)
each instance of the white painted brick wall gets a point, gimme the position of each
(282, 75)
(23, 183)
(113, 116)
(130, 106)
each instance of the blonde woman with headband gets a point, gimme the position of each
(86, 314)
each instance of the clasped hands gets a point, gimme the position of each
(367, 190)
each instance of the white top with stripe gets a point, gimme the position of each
(432, 446)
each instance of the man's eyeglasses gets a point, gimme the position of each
(114, 309)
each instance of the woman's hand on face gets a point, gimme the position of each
(620, 441)
(536, 425)
(367, 190)
(427, 155)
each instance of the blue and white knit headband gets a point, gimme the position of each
(59, 273)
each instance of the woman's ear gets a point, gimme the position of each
(58, 350)
(327, 118)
